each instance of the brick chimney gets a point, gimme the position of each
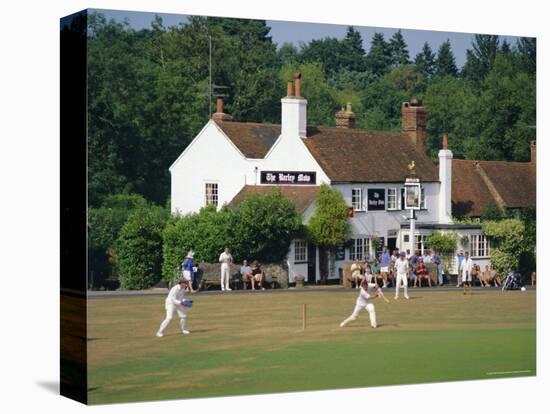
(534, 152)
(345, 118)
(219, 115)
(413, 122)
(294, 111)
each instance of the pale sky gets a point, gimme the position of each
(297, 32)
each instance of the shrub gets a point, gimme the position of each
(329, 225)
(205, 232)
(264, 226)
(507, 242)
(139, 248)
(104, 224)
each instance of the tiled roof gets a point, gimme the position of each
(348, 155)
(352, 155)
(516, 182)
(513, 183)
(253, 140)
(300, 196)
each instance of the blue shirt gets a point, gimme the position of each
(384, 259)
(188, 264)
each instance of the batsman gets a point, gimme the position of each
(364, 302)
(176, 302)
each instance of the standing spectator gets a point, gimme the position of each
(412, 267)
(422, 273)
(402, 270)
(187, 267)
(356, 273)
(257, 275)
(466, 272)
(437, 261)
(460, 258)
(426, 257)
(385, 265)
(225, 259)
(393, 260)
(246, 273)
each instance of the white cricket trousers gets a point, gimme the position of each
(225, 276)
(362, 303)
(401, 277)
(170, 309)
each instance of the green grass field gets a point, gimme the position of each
(253, 343)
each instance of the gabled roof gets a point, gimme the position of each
(346, 155)
(300, 196)
(253, 140)
(477, 184)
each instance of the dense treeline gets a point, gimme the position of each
(148, 92)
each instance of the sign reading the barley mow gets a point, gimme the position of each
(288, 177)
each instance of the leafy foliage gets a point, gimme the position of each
(264, 226)
(329, 225)
(507, 243)
(139, 248)
(443, 242)
(493, 213)
(104, 224)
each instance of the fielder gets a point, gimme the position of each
(175, 302)
(466, 271)
(363, 301)
(402, 269)
(225, 260)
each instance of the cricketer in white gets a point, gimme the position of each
(363, 301)
(225, 260)
(402, 270)
(174, 302)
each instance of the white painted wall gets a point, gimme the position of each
(293, 117)
(445, 177)
(211, 157)
(379, 223)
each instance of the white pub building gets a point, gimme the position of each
(228, 160)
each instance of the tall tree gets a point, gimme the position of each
(445, 63)
(505, 47)
(527, 48)
(327, 51)
(287, 53)
(479, 59)
(379, 57)
(398, 50)
(329, 225)
(352, 51)
(425, 61)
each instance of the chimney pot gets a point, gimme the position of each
(445, 141)
(220, 115)
(533, 151)
(289, 92)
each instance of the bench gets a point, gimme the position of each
(208, 279)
